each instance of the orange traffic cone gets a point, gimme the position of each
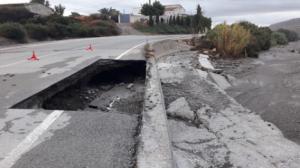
(33, 57)
(90, 48)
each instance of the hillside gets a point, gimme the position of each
(293, 24)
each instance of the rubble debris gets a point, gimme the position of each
(229, 135)
(180, 108)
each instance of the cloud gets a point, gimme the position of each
(258, 11)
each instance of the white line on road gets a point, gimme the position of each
(129, 50)
(26, 144)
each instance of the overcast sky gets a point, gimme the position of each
(262, 12)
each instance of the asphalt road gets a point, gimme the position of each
(270, 86)
(40, 138)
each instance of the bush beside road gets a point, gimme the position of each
(56, 26)
(162, 29)
(243, 39)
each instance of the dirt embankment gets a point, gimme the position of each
(270, 86)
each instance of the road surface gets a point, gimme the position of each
(43, 138)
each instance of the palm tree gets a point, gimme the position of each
(59, 10)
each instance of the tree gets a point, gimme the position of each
(197, 20)
(188, 21)
(170, 20)
(200, 23)
(174, 20)
(148, 10)
(38, 1)
(182, 21)
(75, 14)
(59, 10)
(177, 20)
(47, 4)
(104, 13)
(159, 10)
(109, 13)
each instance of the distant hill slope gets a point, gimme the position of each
(293, 24)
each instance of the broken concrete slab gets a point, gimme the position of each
(220, 80)
(180, 108)
(205, 63)
(202, 74)
(228, 135)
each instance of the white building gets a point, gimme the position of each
(170, 10)
(174, 10)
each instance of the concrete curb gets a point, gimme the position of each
(154, 149)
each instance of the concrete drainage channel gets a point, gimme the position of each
(107, 87)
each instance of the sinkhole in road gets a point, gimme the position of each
(106, 85)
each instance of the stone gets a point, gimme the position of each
(130, 86)
(180, 108)
(202, 74)
(220, 80)
(205, 63)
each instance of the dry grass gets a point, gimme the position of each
(230, 40)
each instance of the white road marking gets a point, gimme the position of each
(26, 144)
(143, 43)
(129, 50)
(35, 45)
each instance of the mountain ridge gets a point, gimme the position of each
(292, 24)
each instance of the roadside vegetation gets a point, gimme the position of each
(244, 39)
(20, 25)
(177, 24)
(230, 39)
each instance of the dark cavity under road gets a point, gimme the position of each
(270, 86)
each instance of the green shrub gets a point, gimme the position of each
(230, 40)
(58, 31)
(161, 28)
(260, 38)
(13, 31)
(264, 38)
(105, 28)
(291, 35)
(104, 31)
(37, 31)
(279, 38)
(79, 30)
(37, 20)
(57, 19)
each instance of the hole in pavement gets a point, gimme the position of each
(107, 85)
